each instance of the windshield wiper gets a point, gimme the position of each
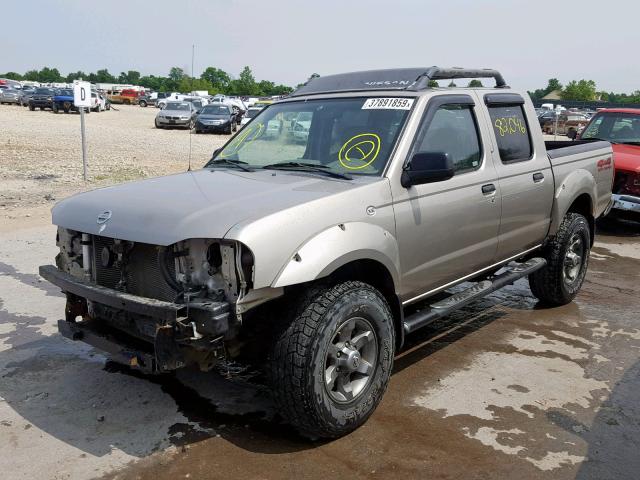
(636, 144)
(230, 163)
(307, 167)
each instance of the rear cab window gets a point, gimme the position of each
(510, 127)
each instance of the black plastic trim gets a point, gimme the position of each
(495, 99)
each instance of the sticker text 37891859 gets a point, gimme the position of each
(392, 103)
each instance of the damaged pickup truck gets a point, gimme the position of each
(315, 257)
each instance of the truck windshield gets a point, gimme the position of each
(347, 135)
(616, 127)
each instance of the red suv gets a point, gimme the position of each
(621, 127)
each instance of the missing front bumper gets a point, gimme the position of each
(161, 340)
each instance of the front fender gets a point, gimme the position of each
(574, 184)
(336, 246)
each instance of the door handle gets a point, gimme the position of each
(538, 177)
(488, 189)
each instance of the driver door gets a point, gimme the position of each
(449, 229)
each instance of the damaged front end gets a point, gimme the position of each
(156, 308)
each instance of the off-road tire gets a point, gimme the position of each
(297, 363)
(548, 284)
(142, 103)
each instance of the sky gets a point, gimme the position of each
(285, 40)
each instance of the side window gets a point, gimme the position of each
(453, 130)
(512, 132)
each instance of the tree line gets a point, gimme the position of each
(583, 90)
(213, 80)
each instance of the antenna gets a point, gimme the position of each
(193, 50)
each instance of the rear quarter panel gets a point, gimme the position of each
(581, 169)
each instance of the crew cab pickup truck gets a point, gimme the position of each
(621, 127)
(314, 257)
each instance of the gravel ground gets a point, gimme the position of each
(41, 154)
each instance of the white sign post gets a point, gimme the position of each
(82, 100)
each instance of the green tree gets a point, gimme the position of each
(552, 85)
(176, 74)
(246, 83)
(583, 90)
(475, 83)
(31, 75)
(433, 84)
(75, 76)
(49, 75)
(265, 87)
(218, 78)
(12, 76)
(132, 77)
(103, 76)
(188, 84)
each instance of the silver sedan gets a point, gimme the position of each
(177, 114)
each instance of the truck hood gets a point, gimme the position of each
(200, 204)
(626, 157)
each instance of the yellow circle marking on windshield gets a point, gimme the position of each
(359, 151)
(242, 139)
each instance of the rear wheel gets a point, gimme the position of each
(31, 107)
(143, 103)
(331, 363)
(567, 255)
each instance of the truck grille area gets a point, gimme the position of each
(140, 271)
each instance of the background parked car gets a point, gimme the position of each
(63, 100)
(10, 95)
(249, 114)
(25, 94)
(216, 118)
(547, 116)
(568, 123)
(42, 98)
(621, 127)
(177, 114)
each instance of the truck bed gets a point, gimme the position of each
(561, 148)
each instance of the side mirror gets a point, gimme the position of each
(216, 152)
(427, 167)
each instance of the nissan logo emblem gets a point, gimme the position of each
(104, 217)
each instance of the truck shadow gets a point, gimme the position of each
(71, 392)
(618, 227)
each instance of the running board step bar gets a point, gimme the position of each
(514, 271)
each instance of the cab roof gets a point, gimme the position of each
(399, 79)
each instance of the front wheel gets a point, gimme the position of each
(567, 255)
(331, 364)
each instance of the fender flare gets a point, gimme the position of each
(577, 183)
(336, 246)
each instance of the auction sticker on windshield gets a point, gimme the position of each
(393, 103)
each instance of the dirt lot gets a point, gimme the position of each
(503, 389)
(41, 158)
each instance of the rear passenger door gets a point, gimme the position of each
(524, 171)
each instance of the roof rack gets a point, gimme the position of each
(411, 79)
